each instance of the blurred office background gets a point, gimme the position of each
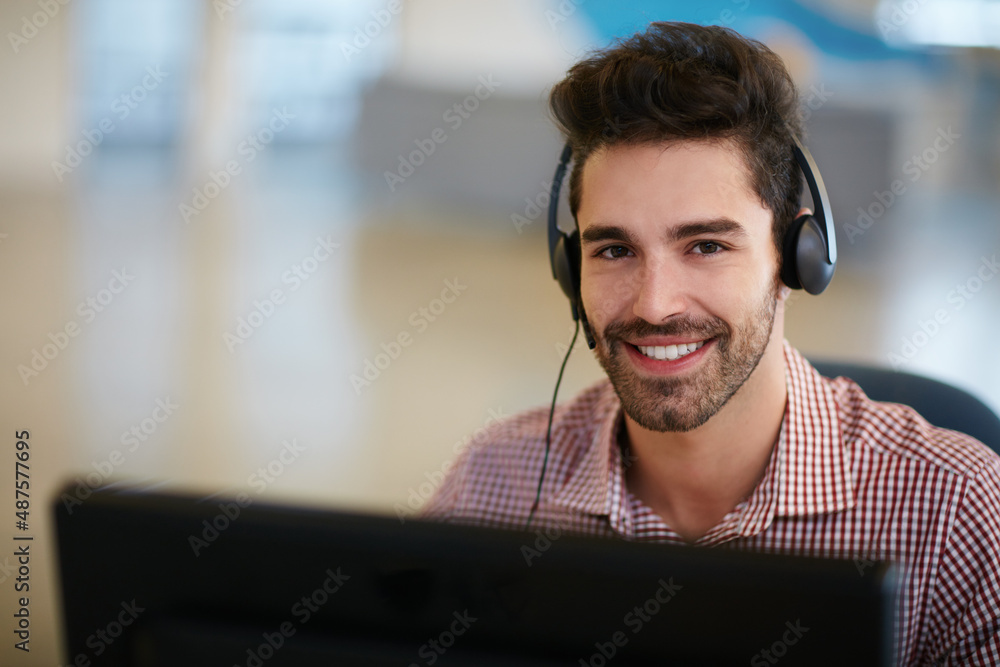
(296, 247)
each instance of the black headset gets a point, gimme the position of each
(810, 247)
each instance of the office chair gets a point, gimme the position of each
(939, 403)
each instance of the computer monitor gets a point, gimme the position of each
(164, 580)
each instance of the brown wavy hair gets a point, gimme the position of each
(682, 81)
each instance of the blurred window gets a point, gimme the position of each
(314, 56)
(940, 22)
(139, 62)
(133, 67)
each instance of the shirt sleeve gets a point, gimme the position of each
(965, 607)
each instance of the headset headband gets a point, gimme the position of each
(821, 202)
(557, 180)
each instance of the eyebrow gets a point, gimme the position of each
(601, 233)
(722, 226)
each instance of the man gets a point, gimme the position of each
(711, 430)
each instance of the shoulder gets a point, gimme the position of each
(521, 438)
(886, 430)
(895, 430)
(494, 479)
(929, 497)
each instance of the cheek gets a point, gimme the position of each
(605, 297)
(754, 274)
(734, 296)
(769, 276)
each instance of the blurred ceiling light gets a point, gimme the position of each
(964, 23)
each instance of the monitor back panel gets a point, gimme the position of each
(160, 580)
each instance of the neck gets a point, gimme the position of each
(693, 479)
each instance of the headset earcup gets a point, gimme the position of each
(789, 268)
(565, 263)
(804, 264)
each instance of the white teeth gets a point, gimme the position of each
(670, 352)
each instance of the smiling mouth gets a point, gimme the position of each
(669, 352)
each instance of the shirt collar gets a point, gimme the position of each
(808, 474)
(809, 471)
(813, 464)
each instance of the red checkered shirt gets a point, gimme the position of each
(850, 478)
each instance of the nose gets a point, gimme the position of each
(659, 292)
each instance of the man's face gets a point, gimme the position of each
(678, 278)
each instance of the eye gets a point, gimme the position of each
(707, 248)
(614, 252)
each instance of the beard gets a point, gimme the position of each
(685, 403)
